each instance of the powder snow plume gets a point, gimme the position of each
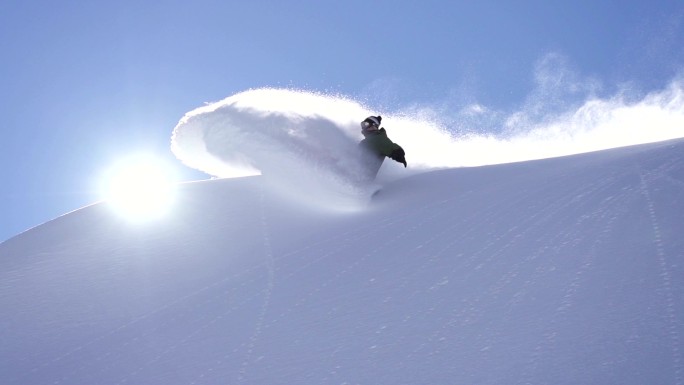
(307, 141)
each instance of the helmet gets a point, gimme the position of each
(371, 123)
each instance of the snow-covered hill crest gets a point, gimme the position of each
(563, 271)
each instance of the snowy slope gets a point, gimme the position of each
(558, 271)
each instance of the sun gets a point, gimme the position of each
(140, 188)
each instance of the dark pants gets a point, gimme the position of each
(371, 165)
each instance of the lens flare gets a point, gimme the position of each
(140, 188)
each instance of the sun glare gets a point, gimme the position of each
(140, 188)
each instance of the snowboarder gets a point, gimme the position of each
(376, 146)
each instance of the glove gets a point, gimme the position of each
(399, 156)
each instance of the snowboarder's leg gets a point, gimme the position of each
(372, 167)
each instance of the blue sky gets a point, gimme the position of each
(85, 83)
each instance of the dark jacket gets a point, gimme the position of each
(376, 146)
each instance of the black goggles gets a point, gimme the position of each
(366, 125)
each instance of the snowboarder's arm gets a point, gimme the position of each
(398, 155)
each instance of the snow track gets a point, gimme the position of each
(674, 323)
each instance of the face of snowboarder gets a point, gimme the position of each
(368, 126)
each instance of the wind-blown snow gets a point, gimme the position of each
(557, 271)
(305, 143)
(294, 134)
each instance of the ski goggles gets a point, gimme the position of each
(366, 125)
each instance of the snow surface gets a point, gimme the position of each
(559, 271)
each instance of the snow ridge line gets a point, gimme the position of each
(670, 311)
